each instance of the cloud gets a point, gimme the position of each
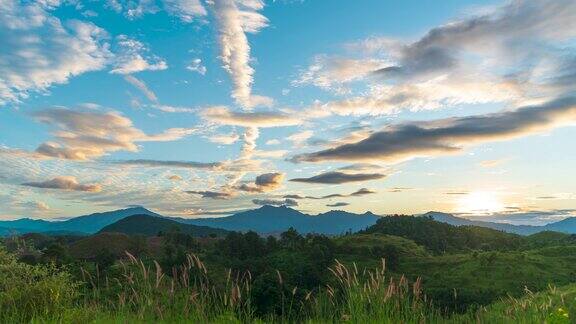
(525, 217)
(131, 59)
(362, 192)
(250, 136)
(175, 177)
(224, 139)
(336, 177)
(399, 189)
(223, 116)
(357, 193)
(338, 204)
(263, 183)
(212, 194)
(300, 138)
(65, 183)
(235, 19)
(509, 29)
(140, 85)
(196, 66)
(178, 164)
(224, 166)
(84, 135)
(401, 142)
(186, 10)
(496, 55)
(173, 109)
(38, 48)
(274, 202)
(491, 163)
(331, 73)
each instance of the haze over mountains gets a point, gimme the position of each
(264, 220)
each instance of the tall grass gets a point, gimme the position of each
(144, 292)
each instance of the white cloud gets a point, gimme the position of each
(332, 73)
(300, 138)
(186, 10)
(140, 85)
(197, 66)
(130, 58)
(84, 135)
(272, 142)
(39, 50)
(224, 139)
(235, 19)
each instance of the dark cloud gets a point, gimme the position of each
(362, 192)
(508, 29)
(225, 116)
(263, 183)
(338, 204)
(65, 183)
(448, 136)
(211, 194)
(335, 177)
(359, 192)
(274, 202)
(176, 164)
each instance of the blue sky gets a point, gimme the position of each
(196, 108)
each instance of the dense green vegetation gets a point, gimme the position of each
(403, 269)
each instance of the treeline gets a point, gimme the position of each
(445, 238)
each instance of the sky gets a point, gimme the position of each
(201, 108)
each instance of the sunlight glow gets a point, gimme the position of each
(480, 202)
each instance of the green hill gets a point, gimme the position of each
(441, 237)
(114, 243)
(150, 226)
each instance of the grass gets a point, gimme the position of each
(139, 292)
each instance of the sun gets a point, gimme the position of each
(480, 202)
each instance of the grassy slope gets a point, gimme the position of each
(481, 276)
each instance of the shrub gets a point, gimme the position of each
(33, 291)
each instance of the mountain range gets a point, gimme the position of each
(151, 225)
(567, 225)
(264, 220)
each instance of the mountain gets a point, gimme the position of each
(87, 224)
(150, 226)
(567, 225)
(269, 219)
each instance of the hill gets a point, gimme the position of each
(441, 237)
(114, 243)
(150, 226)
(269, 219)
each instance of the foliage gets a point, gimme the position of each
(33, 291)
(441, 237)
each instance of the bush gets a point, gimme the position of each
(33, 291)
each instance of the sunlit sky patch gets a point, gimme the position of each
(196, 108)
